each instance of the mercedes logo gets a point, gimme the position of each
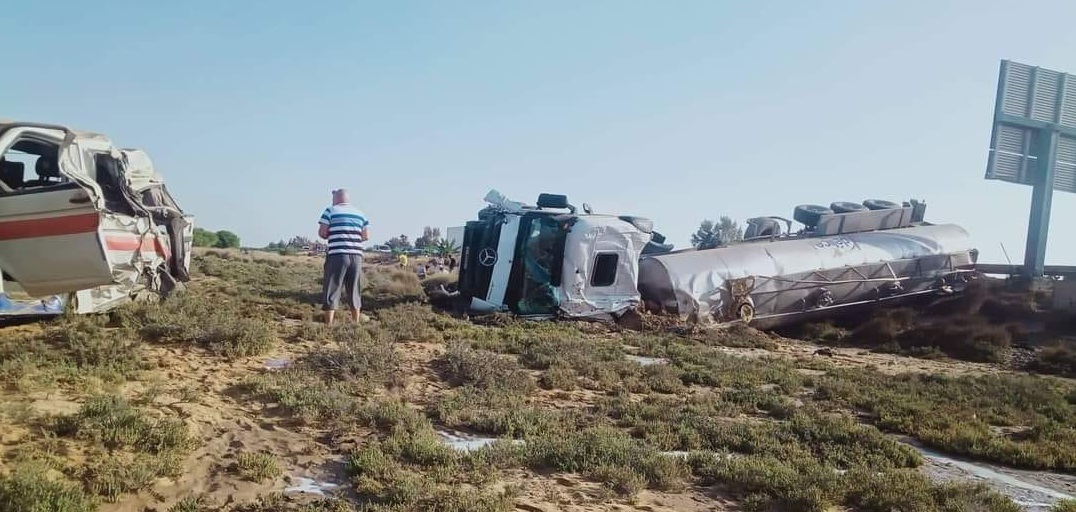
(487, 257)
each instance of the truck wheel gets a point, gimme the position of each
(880, 204)
(746, 312)
(809, 214)
(846, 207)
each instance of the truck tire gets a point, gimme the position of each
(846, 207)
(745, 313)
(808, 214)
(880, 204)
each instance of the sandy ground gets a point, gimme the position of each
(228, 425)
(552, 493)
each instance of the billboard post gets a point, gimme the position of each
(1042, 196)
(1033, 142)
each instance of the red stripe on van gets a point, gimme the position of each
(49, 226)
(132, 243)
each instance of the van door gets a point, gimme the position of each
(49, 225)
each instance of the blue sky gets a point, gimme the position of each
(678, 110)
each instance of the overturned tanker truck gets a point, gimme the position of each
(551, 261)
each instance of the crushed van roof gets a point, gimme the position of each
(11, 123)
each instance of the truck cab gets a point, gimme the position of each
(81, 219)
(550, 261)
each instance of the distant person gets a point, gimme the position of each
(402, 258)
(451, 263)
(344, 228)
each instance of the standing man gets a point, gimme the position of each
(344, 228)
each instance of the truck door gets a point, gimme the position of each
(49, 225)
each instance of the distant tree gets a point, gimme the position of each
(227, 239)
(399, 242)
(710, 234)
(430, 237)
(205, 238)
(729, 230)
(706, 237)
(300, 241)
(445, 248)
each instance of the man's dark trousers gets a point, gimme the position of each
(342, 271)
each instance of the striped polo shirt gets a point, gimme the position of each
(345, 228)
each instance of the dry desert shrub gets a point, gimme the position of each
(759, 428)
(1057, 358)
(385, 286)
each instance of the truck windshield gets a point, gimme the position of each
(542, 254)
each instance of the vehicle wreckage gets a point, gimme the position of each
(550, 261)
(93, 228)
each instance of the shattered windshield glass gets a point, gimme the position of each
(540, 252)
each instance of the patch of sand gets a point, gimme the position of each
(570, 493)
(196, 388)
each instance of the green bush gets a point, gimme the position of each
(28, 488)
(462, 365)
(112, 422)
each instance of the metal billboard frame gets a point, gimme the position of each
(1033, 142)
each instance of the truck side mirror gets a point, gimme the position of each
(559, 201)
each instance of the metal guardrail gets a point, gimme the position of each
(1016, 270)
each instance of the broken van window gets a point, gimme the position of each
(110, 178)
(31, 164)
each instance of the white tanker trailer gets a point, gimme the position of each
(549, 261)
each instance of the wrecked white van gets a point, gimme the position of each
(83, 222)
